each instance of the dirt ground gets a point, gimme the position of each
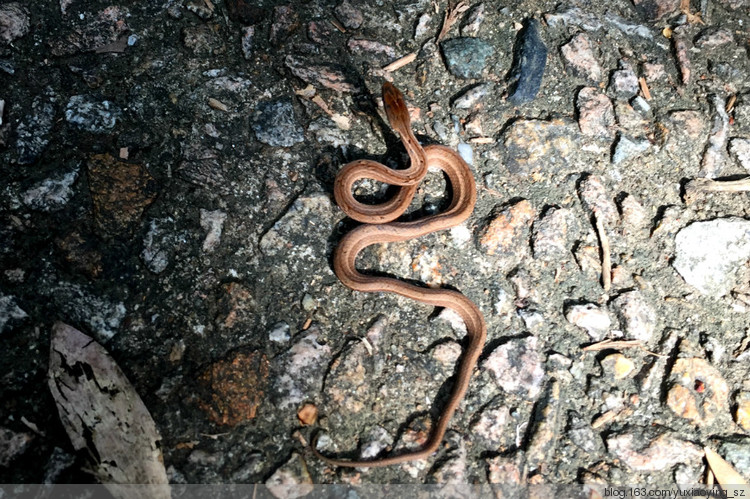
(166, 187)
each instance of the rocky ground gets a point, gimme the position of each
(167, 173)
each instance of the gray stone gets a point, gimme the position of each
(588, 316)
(33, 131)
(473, 21)
(9, 310)
(299, 372)
(275, 123)
(709, 254)
(529, 61)
(737, 454)
(471, 97)
(51, 194)
(160, 243)
(740, 149)
(91, 114)
(637, 316)
(14, 22)
(466, 57)
(628, 148)
(12, 444)
(517, 367)
(623, 83)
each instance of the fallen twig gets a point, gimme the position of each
(700, 185)
(452, 12)
(619, 345)
(399, 63)
(606, 258)
(644, 88)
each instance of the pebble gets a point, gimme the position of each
(580, 59)
(159, 244)
(423, 26)
(686, 133)
(349, 15)
(285, 21)
(10, 311)
(234, 388)
(714, 158)
(596, 115)
(506, 232)
(506, 473)
(553, 233)
(663, 452)
(120, 192)
(466, 153)
(275, 123)
(709, 254)
(535, 146)
(596, 202)
(466, 57)
(378, 52)
(634, 216)
(582, 434)
(517, 367)
(298, 373)
(742, 410)
(319, 31)
(291, 479)
(472, 97)
(213, 222)
(637, 316)
(623, 83)
(628, 148)
(618, 366)
(697, 391)
(529, 61)
(322, 75)
(14, 22)
(91, 114)
(737, 453)
(591, 318)
(33, 132)
(248, 34)
(492, 425)
(713, 37)
(654, 10)
(740, 149)
(12, 444)
(279, 333)
(51, 194)
(473, 21)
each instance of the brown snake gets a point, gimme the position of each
(379, 228)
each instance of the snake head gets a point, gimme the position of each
(395, 108)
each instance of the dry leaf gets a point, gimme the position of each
(723, 471)
(102, 413)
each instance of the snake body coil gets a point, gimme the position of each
(379, 227)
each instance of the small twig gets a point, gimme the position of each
(701, 185)
(619, 345)
(606, 258)
(217, 104)
(338, 25)
(451, 16)
(644, 88)
(730, 102)
(399, 63)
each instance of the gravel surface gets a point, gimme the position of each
(166, 177)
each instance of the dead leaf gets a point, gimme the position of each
(102, 413)
(723, 471)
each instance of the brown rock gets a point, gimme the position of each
(698, 392)
(596, 115)
(508, 230)
(618, 365)
(120, 191)
(236, 306)
(503, 470)
(234, 388)
(742, 412)
(377, 51)
(307, 414)
(579, 57)
(80, 253)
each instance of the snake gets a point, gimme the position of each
(379, 226)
